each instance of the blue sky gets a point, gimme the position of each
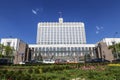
(19, 18)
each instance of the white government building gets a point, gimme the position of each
(61, 40)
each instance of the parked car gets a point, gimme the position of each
(97, 60)
(48, 61)
(81, 61)
(5, 61)
(33, 62)
(117, 60)
(21, 62)
(60, 61)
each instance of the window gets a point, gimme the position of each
(8, 43)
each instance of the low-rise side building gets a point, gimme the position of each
(104, 52)
(102, 48)
(19, 49)
(110, 41)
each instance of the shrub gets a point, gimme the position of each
(13, 76)
(42, 77)
(20, 71)
(36, 71)
(9, 75)
(48, 78)
(40, 70)
(63, 78)
(4, 71)
(30, 70)
(27, 77)
(21, 77)
(44, 69)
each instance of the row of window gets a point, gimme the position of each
(64, 49)
(61, 30)
(48, 35)
(60, 25)
(61, 42)
(64, 54)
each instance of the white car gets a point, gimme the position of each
(48, 61)
(21, 62)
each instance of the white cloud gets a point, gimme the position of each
(98, 28)
(34, 11)
(97, 32)
(37, 11)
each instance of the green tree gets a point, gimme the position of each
(115, 50)
(9, 53)
(1, 50)
(1, 55)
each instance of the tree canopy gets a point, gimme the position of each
(115, 49)
(6, 51)
(1, 49)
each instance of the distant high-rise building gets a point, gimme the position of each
(61, 32)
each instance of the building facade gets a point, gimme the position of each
(61, 33)
(69, 52)
(103, 51)
(61, 40)
(19, 49)
(110, 41)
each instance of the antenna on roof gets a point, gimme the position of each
(60, 13)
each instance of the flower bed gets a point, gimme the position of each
(113, 64)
